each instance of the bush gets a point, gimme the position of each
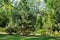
(3, 21)
(11, 30)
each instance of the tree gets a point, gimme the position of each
(55, 5)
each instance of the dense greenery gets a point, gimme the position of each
(28, 17)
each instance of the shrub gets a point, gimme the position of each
(11, 30)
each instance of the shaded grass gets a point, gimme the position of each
(18, 37)
(9, 37)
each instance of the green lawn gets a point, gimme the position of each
(18, 37)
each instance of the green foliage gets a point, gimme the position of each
(10, 29)
(55, 5)
(3, 20)
(25, 16)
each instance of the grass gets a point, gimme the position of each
(18, 37)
